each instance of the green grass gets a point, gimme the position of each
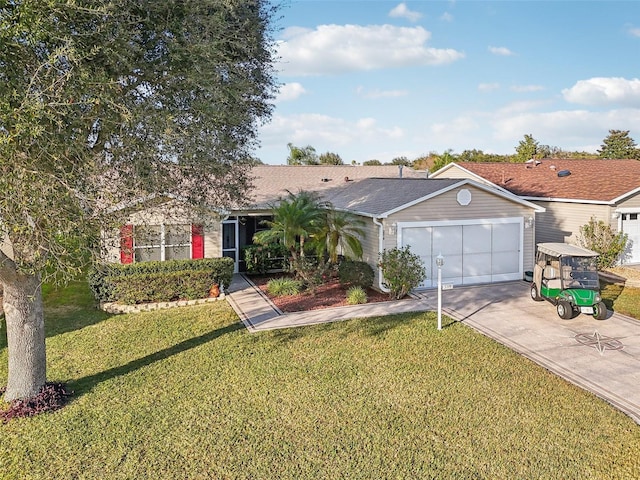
(188, 393)
(621, 299)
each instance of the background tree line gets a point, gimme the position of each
(618, 144)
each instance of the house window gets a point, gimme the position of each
(165, 242)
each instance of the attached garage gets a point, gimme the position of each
(475, 251)
(485, 235)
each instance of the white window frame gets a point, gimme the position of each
(163, 245)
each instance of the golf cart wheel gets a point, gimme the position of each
(534, 293)
(564, 309)
(600, 311)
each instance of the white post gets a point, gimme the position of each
(439, 263)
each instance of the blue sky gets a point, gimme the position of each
(373, 79)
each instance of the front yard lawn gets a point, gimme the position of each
(188, 393)
(621, 299)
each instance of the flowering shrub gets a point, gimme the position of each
(402, 270)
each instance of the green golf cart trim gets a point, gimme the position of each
(567, 276)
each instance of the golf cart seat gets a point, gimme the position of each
(551, 278)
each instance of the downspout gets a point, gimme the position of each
(380, 248)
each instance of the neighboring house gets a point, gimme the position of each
(572, 191)
(484, 233)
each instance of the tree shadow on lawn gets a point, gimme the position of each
(84, 385)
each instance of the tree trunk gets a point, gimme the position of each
(24, 315)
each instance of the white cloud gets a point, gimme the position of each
(376, 93)
(526, 88)
(501, 51)
(488, 87)
(634, 32)
(334, 49)
(605, 91)
(325, 132)
(446, 17)
(290, 91)
(402, 11)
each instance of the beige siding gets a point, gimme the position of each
(483, 204)
(561, 221)
(370, 246)
(446, 208)
(631, 202)
(212, 239)
(171, 212)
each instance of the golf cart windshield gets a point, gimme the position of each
(579, 272)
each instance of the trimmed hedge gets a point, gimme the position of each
(159, 281)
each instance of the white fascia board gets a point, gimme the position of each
(624, 196)
(567, 200)
(627, 210)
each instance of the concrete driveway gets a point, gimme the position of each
(602, 357)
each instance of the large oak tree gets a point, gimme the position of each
(106, 101)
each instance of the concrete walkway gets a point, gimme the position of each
(602, 357)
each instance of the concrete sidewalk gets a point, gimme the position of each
(258, 313)
(602, 357)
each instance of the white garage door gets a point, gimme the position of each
(631, 226)
(474, 251)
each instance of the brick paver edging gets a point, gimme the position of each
(150, 307)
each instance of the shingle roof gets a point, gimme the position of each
(377, 196)
(589, 179)
(272, 181)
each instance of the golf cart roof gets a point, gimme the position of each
(565, 249)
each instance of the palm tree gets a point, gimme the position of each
(296, 218)
(341, 232)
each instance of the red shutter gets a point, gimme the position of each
(197, 241)
(126, 244)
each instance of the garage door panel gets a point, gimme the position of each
(477, 238)
(447, 240)
(506, 237)
(505, 262)
(419, 239)
(451, 270)
(483, 252)
(476, 264)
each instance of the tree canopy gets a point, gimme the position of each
(302, 155)
(618, 144)
(526, 149)
(104, 102)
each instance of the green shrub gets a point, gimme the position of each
(284, 286)
(161, 287)
(260, 259)
(218, 270)
(402, 270)
(600, 237)
(353, 273)
(356, 296)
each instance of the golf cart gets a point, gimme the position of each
(567, 276)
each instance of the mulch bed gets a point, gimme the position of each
(331, 294)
